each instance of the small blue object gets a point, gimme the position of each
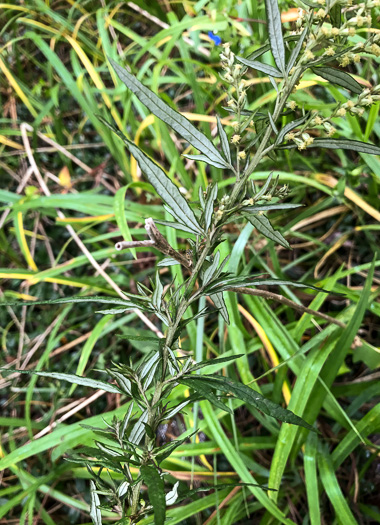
(215, 38)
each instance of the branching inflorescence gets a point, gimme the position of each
(323, 36)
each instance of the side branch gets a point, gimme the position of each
(158, 241)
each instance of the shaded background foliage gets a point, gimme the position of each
(55, 77)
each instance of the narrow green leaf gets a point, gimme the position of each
(158, 291)
(211, 362)
(256, 208)
(263, 225)
(296, 50)
(118, 208)
(156, 492)
(209, 273)
(248, 395)
(165, 188)
(75, 299)
(246, 281)
(224, 140)
(275, 33)
(207, 160)
(206, 390)
(177, 226)
(209, 206)
(168, 261)
(273, 125)
(259, 66)
(335, 13)
(288, 127)
(72, 378)
(221, 305)
(132, 337)
(341, 78)
(353, 145)
(175, 120)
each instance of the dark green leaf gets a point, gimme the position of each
(72, 378)
(165, 188)
(222, 486)
(156, 492)
(76, 299)
(210, 271)
(248, 395)
(217, 361)
(209, 206)
(265, 187)
(296, 50)
(158, 291)
(353, 145)
(263, 225)
(335, 13)
(324, 59)
(256, 208)
(288, 127)
(221, 306)
(175, 120)
(275, 33)
(259, 66)
(224, 140)
(165, 451)
(132, 337)
(230, 283)
(341, 78)
(200, 386)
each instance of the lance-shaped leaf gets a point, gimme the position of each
(268, 207)
(296, 50)
(230, 283)
(273, 125)
(211, 362)
(248, 395)
(224, 140)
(176, 226)
(165, 188)
(95, 513)
(156, 492)
(353, 145)
(259, 66)
(263, 225)
(209, 206)
(207, 160)
(275, 33)
(288, 127)
(72, 378)
(175, 120)
(336, 76)
(77, 299)
(205, 390)
(221, 306)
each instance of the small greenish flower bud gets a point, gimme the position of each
(330, 51)
(291, 104)
(367, 101)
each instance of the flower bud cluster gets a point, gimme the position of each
(327, 38)
(233, 75)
